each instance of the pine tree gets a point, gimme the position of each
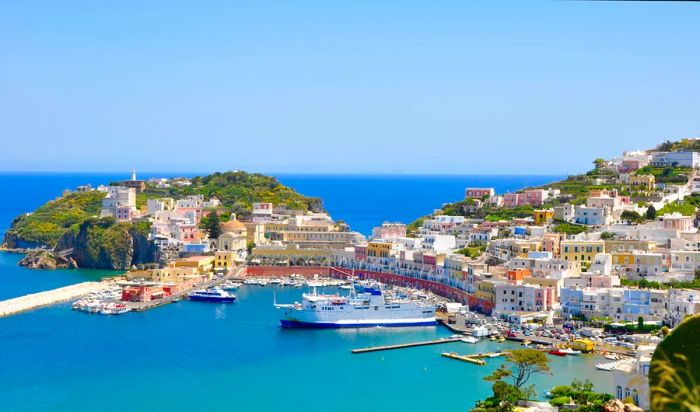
(213, 225)
(651, 212)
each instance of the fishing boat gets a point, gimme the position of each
(469, 339)
(214, 294)
(557, 352)
(368, 308)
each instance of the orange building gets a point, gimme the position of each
(516, 276)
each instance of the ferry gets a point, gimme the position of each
(368, 308)
(214, 294)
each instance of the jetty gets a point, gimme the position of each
(36, 300)
(406, 345)
(464, 358)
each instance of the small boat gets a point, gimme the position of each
(501, 339)
(569, 351)
(214, 294)
(526, 343)
(612, 356)
(557, 352)
(604, 367)
(469, 339)
(492, 338)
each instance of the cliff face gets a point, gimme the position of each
(105, 244)
(42, 259)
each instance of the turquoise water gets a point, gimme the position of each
(190, 355)
(17, 281)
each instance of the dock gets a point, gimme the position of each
(406, 345)
(36, 300)
(464, 358)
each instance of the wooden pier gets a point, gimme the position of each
(464, 358)
(406, 345)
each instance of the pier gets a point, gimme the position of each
(463, 358)
(405, 345)
(36, 300)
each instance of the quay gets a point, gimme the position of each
(36, 300)
(182, 295)
(405, 345)
(464, 358)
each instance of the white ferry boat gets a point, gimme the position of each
(368, 308)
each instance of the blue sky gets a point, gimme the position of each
(454, 87)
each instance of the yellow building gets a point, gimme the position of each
(224, 259)
(169, 274)
(581, 250)
(622, 259)
(543, 216)
(643, 182)
(486, 290)
(202, 264)
(379, 249)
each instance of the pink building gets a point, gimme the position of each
(389, 230)
(511, 199)
(479, 192)
(186, 232)
(532, 197)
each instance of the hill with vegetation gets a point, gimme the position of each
(72, 220)
(237, 192)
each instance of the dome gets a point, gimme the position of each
(233, 226)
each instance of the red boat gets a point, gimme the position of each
(557, 352)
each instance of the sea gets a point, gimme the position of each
(201, 356)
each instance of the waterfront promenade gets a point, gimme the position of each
(36, 300)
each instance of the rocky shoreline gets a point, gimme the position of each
(43, 259)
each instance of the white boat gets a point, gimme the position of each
(570, 351)
(604, 367)
(612, 356)
(469, 339)
(368, 308)
(228, 285)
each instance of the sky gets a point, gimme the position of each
(415, 87)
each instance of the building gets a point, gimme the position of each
(119, 197)
(543, 216)
(642, 182)
(675, 159)
(578, 251)
(594, 216)
(389, 230)
(225, 260)
(479, 192)
(138, 185)
(631, 379)
(678, 222)
(564, 212)
(262, 211)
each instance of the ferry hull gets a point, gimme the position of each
(368, 323)
(212, 299)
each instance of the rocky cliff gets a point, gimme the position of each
(106, 244)
(43, 259)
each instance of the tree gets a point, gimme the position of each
(607, 235)
(213, 225)
(599, 163)
(651, 212)
(632, 216)
(523, 363)
(640, 323)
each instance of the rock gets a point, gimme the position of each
(43, 259)
(632, 408)
(614, 405)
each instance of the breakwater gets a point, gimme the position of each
(36, 300)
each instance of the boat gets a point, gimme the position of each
(501, 339)
(604, 367)
(228, 285)
(369, 308)
(569, 351)
(214, 294)
(557, 352)
(526, 342)
(469, 339)
(612, 356)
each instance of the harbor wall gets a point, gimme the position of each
(458, 295)
(306, 271)
(36, 300)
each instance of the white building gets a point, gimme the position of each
(119, 203)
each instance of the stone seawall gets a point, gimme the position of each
(36, 300)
